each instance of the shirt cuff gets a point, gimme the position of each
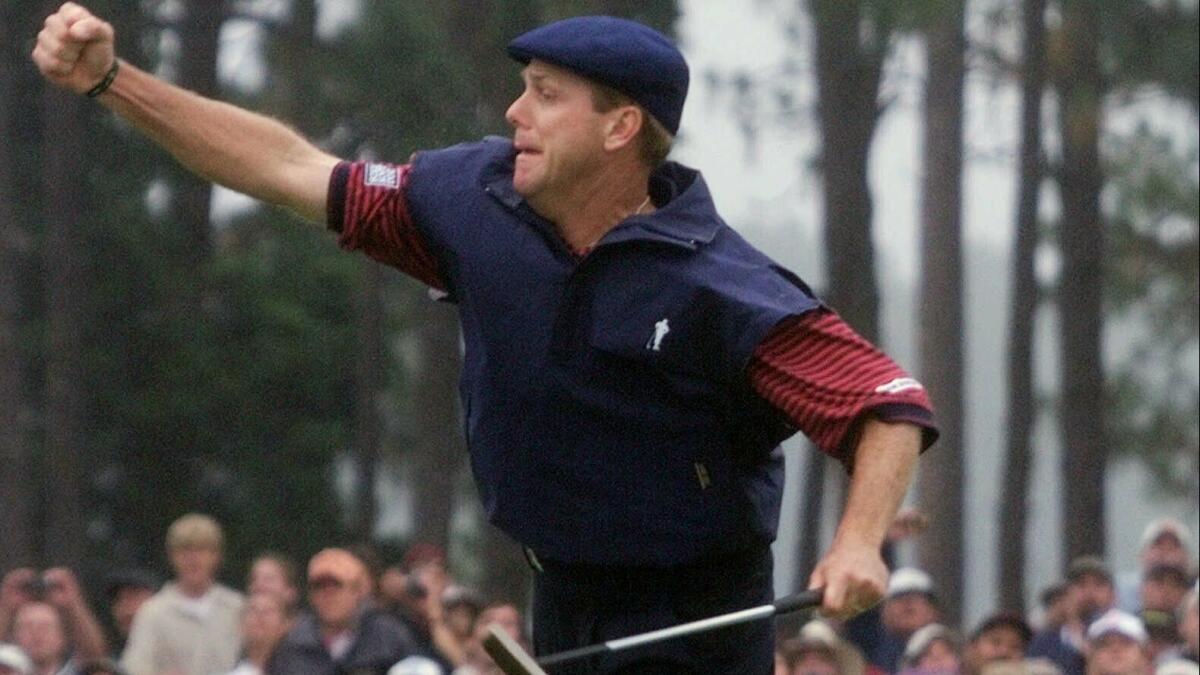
(335, 204)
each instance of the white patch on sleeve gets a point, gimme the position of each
(382, 175)
(898, 385)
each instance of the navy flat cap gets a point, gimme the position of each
(632, 58)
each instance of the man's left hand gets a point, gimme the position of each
(854, 576)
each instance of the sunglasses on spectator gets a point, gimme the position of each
(325, 582)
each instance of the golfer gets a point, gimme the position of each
(631, 363)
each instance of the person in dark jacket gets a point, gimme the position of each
(344, 632)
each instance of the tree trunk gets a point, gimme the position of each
(1080, 292)
(848, 73)
(16, 495)
(1023, 303)
(199, 33)
(439, 450)
(66, 441)
(368, 385)
(940, 481)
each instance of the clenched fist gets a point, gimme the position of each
(74, 49)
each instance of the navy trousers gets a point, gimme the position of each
(579, 605)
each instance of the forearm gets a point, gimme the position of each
(884, 461)
(244, 151)
(88, 636)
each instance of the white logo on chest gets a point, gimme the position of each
(660, 331)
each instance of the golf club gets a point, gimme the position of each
(513, 660)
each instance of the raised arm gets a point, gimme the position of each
(241, 150)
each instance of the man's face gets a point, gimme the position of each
(264, 621)
(195, 566)
(904, 614)
(38, 630)
(815, 662)
(126, 603)
(558, 134)
(337, 587)
(1001, 643)
(940, 657)
(268, 576)
(1094, 593)
(1162, 592)
(1116, 654)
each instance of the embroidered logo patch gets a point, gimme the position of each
(898, 385)
(660, 331)
(382, 175)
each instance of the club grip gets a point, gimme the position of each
(805, 600)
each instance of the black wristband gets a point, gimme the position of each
(107, 81)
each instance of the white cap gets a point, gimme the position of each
(1158, 527)
(923, 638)
(1178, 667)
(817, 633)
(1116, 621)
(909, 580)
(415, 665)
(14, 658)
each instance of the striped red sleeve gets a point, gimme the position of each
(825, 378)
(368, 209)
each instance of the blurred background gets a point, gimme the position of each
(1002, 193)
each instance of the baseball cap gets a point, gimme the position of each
(630, 57)
(923, 638)
(1121, 623)
(908, 580)
(1160, 526)
(1088, 564)
(1178, 667)
(1005, 620)
(13, 657)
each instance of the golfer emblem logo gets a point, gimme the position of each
(660, 331)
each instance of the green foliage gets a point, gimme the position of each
(1154, 278)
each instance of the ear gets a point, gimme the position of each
(622, 127)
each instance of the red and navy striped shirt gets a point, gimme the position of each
(814, 369)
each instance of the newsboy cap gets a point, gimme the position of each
(630, 57)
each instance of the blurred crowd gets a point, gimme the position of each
(348, 613)
(1094, 622)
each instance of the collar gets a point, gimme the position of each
(684, 214)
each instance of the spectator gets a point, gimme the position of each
(13, 661)
(932, 650)
(274, 573)
(57, 625)
(1090, 594)
(1056, 607)
(999, 638)
(1163, 587)
(127, 592)
(345, 632)
(1165, 541)
(193, 625)
(818, 650)
(477, 661)
(1117, 645)
(909, 605)
(266, 619)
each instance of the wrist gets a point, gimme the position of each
(105, 82)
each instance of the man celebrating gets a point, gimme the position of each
(631, 364)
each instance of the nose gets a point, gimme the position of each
(514, 115)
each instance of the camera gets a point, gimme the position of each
(38, 587)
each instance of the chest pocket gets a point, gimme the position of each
(653, 328)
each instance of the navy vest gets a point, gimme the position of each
(606, 403)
